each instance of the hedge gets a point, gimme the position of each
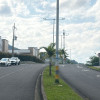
(21, 57)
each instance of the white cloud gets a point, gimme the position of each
(82, 40)
(4, 8)
(44, 3)
(39, 10)
(95, 11)
(32, 30)
(76, 4)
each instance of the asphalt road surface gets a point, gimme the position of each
(18, 82)
(84, 80)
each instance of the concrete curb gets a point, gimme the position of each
(39, 89)
(42, 89)
(36, 89)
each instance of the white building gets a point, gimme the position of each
(33, 51)
(21, 51)
(0, 44)
(4, 45)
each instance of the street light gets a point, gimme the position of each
(53, 19)
(53, 25)
(57, 42)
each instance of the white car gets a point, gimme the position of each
(15, 60)
(5, 61)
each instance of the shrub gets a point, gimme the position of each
(21, 57)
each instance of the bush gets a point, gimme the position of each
(21, 57)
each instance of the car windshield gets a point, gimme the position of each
(4, 59)
(13, 58)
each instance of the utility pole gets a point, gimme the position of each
(70, 55)
(53, 19)
(14, 38)
(64, 39)
(53, 29)
(64, 42)
(61, 41)
(57, 42)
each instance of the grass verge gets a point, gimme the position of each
(94, 68)
(57, 91)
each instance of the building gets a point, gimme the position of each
(4, 45)
(33, 51)
(0, 44)
(21, 51)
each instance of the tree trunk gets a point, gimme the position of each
(50, 68)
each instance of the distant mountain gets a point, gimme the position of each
(74, 62)
(10, 47)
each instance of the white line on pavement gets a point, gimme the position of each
(10, 73)
(85, 70)
(98, 75)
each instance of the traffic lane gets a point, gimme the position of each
(85, 80)
(8, 69)
(20, 84)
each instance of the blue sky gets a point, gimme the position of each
(82, 21)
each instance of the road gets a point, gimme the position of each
(82, 79)
(18, 82)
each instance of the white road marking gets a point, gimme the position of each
(79, 67)
(85, 70)
(63, 65)
(98, 75)
(10, 73)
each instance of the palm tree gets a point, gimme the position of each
(50, 52)
(63, 54)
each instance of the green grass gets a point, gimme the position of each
(94, 68)
(59, 91)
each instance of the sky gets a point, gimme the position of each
(81, 25)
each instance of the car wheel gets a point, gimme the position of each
(19, 63)
(5, 64)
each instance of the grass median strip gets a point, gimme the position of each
(57, 91)
(94, 68)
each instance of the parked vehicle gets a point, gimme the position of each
(15, 60)
(5, 61)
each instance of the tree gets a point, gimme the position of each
(50, 52)
(63, 54)
(94, 61)
(42, 55)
